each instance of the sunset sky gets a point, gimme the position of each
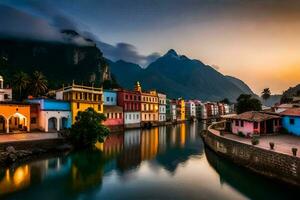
(256, 41)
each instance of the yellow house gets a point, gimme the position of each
(180, 110)
(81, 97)
(149, 106)
(14, 117)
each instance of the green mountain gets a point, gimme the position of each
(180, 76)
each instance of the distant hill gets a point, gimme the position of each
(180, 76)
(61, 62)
(288, 95)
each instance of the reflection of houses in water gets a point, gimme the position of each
(131, 155)
(149, 143)
(113, 145)
(162, 139)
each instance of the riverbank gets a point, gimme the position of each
(270, 163)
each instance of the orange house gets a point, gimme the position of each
(14, 117)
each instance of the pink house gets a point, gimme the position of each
(114, 117)
(254, 122)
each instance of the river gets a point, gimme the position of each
(167, 162)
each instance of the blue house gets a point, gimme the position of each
(110, 98)
(291, 120)
(50, 115)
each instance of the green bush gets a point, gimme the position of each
(240, 133)
(255, 140)
(88, 128)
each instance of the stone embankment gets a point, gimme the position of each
(266, 162)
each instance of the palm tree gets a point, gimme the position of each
(266, 93)
(38, 84)
(20, 83)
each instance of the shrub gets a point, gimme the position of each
(255, 140)
(88, 129)
(272, 145)
(283, 130)
(294, 150)
(240, 133)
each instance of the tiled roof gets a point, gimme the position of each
(254, 116)
(291, 112)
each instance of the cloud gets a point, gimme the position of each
(41, 21)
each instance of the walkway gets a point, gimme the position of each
(26, 137)
(283, 143)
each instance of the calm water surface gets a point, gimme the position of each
(161, 163)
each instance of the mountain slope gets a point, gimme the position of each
(243, 86)
(178, 76)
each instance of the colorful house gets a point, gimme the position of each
(114, 117)
(5, 93)
(190, 110)
(180, 108)
(162, 98)
(291, 120)
(131, 103)
(81, 98)
(50, 115)
(110, 98)
(149, 106)
(254, 122)
(14, 117)
(171, 110)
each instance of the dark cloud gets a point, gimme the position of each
(127, 52)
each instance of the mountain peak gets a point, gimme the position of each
(171, 52)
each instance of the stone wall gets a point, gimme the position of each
(266, 162)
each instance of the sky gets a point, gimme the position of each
(256, 41)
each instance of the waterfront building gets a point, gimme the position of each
(14, 117)
(50, 115)
(110, 98)
(5, 93)
(162, 99)
(200, 110)
(254, 122)
(180, 110)
(114, 117)
(81, 98)
(212, 110)
(291, 120)
(171, 110)
(131, 103)
(190, 110)
(149, 107)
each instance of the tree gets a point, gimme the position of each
(225, 100)
(245, 102)
(20, 84)
(38, 84)
(88, 128)
(266, 93)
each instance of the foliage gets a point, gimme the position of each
(88, 128)
(266, 93)
(255, 140)
(226, 101)
(20, 82)
(245, 102)
(272, 145)
(241, 134)
(294, 150)
(38, 84)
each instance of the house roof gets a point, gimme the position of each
(291, 112)
(254, 116)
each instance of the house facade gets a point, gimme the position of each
(149, 107)
(254, 123)
(180, 110)
(190, 110)
(81, 98)
(114, 117)
(130, 101)
(162, 99)
(14, 117)
(110, 98)
(291, 120)
(5, 93)
(50, 115)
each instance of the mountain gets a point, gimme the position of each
(180, 76)
(75, 58)
(288, 95)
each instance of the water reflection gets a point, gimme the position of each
(169, 160)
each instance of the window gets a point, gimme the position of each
(126, 96)
(242, 123)
(237, 122)
(111, 99)
(107, 115)
(292, 121)
(137, 116)
(129, 116)
(99, 107)
(116, 115)
(78, 105)
(255, 125)
(107, 98)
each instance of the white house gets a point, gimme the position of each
(5, 93)
(162, 101)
